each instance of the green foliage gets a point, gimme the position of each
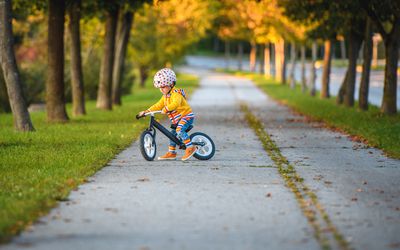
(163, 32)
(326, 18)
(38, 169)
(33, 80)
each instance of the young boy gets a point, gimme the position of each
(174, 103)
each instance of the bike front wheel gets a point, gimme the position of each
(148, 146)
(205, 146)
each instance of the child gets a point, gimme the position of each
(173, 102)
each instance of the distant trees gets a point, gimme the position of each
(349, 19)
(324, 23)
(162, 32)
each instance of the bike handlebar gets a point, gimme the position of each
(148, 113)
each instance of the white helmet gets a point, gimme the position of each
(164, 77)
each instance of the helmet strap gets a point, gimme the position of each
(173, 85)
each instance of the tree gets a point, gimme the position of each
(124, 25)
(327, 68)
(313, 71)
(55, 103)
(385, 14)
(323, 21)
(163, 32)
(355, 38)
(230, 27)
(104, 91)
(367, 58)
(78, 96)
(22, 121)
(303, 68)
(293, 54)
(123, 31)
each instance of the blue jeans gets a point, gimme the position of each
(180, 132)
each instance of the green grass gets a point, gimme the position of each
(376, 129)
(40, 168)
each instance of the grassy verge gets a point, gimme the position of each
(38, 169)
(371, 127)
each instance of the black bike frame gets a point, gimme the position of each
(166, 132)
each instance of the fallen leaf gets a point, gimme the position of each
(268, 195)
(143, 179)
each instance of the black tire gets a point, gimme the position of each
(148, 146)
(203, 152)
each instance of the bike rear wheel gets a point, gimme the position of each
(205, 146)
(148, 146)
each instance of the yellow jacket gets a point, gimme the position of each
(174, 104)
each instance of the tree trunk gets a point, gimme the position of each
(273, 59)
(284, 67)
(342, 90)
(22, 120)
(143, 75)
(4, 100)
(343, 49)
(104, 92)
(364, 84)
(375, 52)
(390, 88)
(293, 53)
(303, 69)
(123, 32)
(227, 54)
(280, 61)
(267, 61)
(313, 72)
(326, 69)
(261, 55)
(216, 45)
(55, 101)
(354, 46)
(78, 95)
(240, 56)
(253, 55)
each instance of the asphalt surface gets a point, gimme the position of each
(236, 200)
(336, 76)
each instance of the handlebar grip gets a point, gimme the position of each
(138, 116)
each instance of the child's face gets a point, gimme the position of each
(165, 90)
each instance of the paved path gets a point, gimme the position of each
(337, 75)
(237, 200)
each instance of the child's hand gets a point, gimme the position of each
(140, 114)
(164, 111)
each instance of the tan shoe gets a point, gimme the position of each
(167, 156)
(189, 152)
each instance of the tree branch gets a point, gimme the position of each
(375, 20)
